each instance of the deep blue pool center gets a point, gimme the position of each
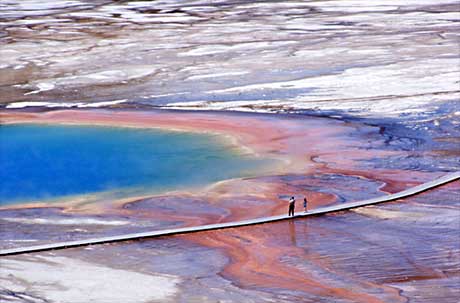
(40, 162)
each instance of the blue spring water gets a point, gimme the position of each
(40, 162)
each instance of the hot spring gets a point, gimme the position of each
(48, 162)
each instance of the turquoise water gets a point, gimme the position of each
(39, 162)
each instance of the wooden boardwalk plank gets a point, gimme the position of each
(174, 231)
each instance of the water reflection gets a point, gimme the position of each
(292, 232)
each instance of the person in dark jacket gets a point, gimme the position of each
(305, 204)
(291, 206)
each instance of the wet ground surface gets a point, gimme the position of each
(364, 58)
(384, 75)
(33, 226)
(388, 253)
(397, 252)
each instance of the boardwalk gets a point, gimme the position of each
(174, 231)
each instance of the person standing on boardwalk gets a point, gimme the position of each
(291, 206)
(305, 204)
